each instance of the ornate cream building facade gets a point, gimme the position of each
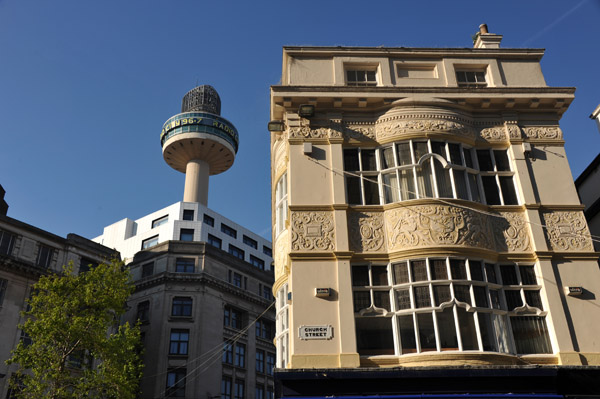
(424, 212)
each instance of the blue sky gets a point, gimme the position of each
(86, 86)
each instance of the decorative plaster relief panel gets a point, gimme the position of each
(361, 132)
(543, 132)
(421, 123)
(567, 231)
(306, 132)
(512, 233)
(366, 231)
(501, 133)
(312, 231)
(440, 225)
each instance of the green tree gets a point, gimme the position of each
(78, 349)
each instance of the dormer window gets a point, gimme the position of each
(471, 78)
(361, 77)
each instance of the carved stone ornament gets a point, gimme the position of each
(366, 231)
(359, 132)
(306, 132)
(281, 253)
(512, 233)
(497, 133)
(433, 124)
(312, 231)
(438, 225)
(514, 131)
(543, 132)
(567, 231)
(433, 225)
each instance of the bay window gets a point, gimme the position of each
(428, 169)
(448, 304)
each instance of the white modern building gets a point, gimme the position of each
(187, 221)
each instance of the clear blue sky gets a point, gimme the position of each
(85, 87)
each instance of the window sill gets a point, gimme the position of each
(186, 319)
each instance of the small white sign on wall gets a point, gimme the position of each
(315, 332)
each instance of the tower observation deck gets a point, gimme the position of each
(199, 142)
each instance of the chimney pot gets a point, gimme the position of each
(483, 29)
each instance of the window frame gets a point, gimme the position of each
(178, 346)
(182, 306)
(186, 234)
(185, 265)
(160, 221)
(465, 292)
(150, 242)
(281, 204)
(427, 168)
(212, 240)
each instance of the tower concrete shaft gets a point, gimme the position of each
(196, 182)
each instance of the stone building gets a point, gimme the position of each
(26, 253)
(428, 236)
(203, 296)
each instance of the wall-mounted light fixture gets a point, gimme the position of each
(306, 110)
(276, 126)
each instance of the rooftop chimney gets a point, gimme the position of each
(484, 39)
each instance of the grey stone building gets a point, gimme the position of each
(26, 253)
(207, 322)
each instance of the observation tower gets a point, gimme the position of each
(199, 142)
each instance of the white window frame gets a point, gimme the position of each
(282, 327)
(281, 204)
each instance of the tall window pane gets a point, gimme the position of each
(407, 334)
(426, 332)
(374, 336)
(531, 334)
(447, 329)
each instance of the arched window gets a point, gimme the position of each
(428, 169)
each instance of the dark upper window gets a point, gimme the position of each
(176, 383)
(86, 265)
(270, 363)
(185, 265)
(357, 77)
(230, 231)
(471, 78)
(238, 392)
(214, 241)
(44, 257)
(147, 269)
(260, 361)
(267, 251)
(227, 353)
(188, 214)
(257, 262)
(250, 242)
(232, 318)
(226, 388)
(265, 329)
(209, 220)
(160, 221)
(186, 235)
(7, 241)
(240, 355)
(143, 311)
(179, 342)
(235, 251)
(181, 307)
(235, 279)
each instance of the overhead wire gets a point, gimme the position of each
(212, 354)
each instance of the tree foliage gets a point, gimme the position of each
(78, 349)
